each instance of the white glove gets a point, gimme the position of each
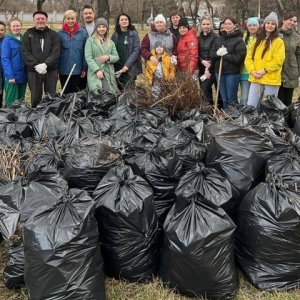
(222, 51)
(118, 73)
(174, 60)
(41, 68)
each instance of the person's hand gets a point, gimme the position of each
(222, 51)
(154, 60)
(103, 58)
(99, 74)
(207, 74)
(83, 73)
(41, 68)
(206, 63)
(256, 74)
(174, 60)
(125, 69)
(12, 81)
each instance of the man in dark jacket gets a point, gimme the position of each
(41, 50)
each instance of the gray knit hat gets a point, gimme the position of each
(272, 17)
(100, 21)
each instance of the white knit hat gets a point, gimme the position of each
(272, 17)
(161, 18)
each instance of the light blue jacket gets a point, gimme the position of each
(72, 52)
(12, 60)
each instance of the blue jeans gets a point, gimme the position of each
(245, 86)
(229, 85)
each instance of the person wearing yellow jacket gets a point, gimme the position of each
(264, 61)
(160, 73)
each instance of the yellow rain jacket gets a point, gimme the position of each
(167, 68)
(272, 62)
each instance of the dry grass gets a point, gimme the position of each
(117, 290)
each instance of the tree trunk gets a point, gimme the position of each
(39, 4)
(103, 9)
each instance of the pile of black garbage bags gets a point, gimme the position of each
(129, 192)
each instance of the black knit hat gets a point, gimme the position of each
(158, 43)
(41, 12)
(184, 22)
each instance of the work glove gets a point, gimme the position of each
(41, 68)
(222, 51)
(174, 60)
(118, 73)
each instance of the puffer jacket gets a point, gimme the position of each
(12, 61)
(291, 66)
(72, 51)
(272, 62)
(169, 40)
(133, 62)
(167, 68)
(188, 52)
(236, 48)
(32, 52)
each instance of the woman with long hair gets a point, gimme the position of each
(206, 39)
(249, 36)
(291, 66)
(127, 42)
(14, 68)
(72, 43)
(231, 49)
(264, 61)
(101, 55)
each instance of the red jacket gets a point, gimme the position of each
(188, 52)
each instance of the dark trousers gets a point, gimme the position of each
(206, 87)
(82, 85)
(38, 82)
(72, 86)
(286, 95)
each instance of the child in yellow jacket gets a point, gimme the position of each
(158, 74)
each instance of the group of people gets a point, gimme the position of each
(262, 60)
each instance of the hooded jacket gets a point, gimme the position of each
(92, 52)
(291, 66)
(169, 40)
(32, 52)
(72, 50)
(12, 61)
(272, 62)
(167, 67)
(236, 48)
(188, 52)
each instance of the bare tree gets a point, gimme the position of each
(39, 4)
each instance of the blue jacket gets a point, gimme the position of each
(72, 51)
(12, 60)
(133, 62)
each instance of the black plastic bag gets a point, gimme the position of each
(267, 238)
(19, 199)
(211, 185)
(87, 163)
(239, 154)
(198, 258)
(127, 225)
(62, 251)
(274, 108)
(162, 170)
(286, 166)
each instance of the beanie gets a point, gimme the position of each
(160, 18)
(100, 21)
(183, 22)
(158, 43)
(272, 17)
(252, 21)
(40, 12)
